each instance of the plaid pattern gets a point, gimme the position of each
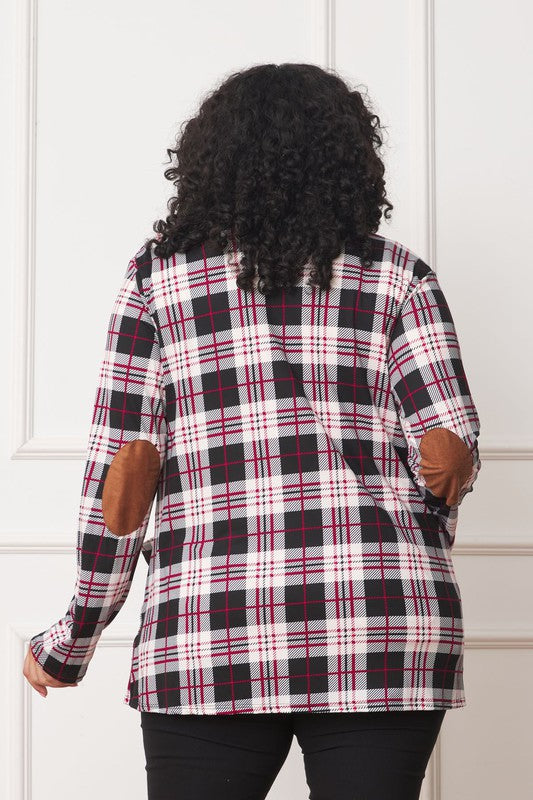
(298, 561)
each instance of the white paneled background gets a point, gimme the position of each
(91, 95)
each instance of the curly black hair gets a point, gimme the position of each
(282, 161)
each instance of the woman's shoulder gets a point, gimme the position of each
(392, 254)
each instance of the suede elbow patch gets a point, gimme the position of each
(446, 463)
(129, 486)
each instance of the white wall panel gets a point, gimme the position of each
(485, 748)
(484, 163)
(113, 83)
(381, 48)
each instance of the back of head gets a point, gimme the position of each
(283, 162)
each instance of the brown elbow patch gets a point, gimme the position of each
(130, 485)
(446, 463)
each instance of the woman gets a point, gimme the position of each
(288, 385)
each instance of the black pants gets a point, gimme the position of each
(374, 755)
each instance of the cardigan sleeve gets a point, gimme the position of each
(437, 413)
(123, 468)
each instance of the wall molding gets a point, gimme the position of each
(421, 127)
(22, 387)
(32, 543)
(325, 13)
(74, 448)
(478, 547)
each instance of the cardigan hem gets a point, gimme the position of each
(285, 709)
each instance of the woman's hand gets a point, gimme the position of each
(38, 678)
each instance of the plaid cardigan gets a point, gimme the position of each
(299, 559)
